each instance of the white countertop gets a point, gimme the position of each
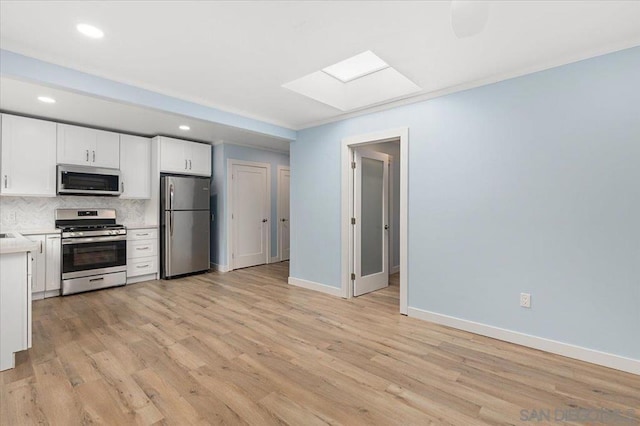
(140, 226)
(33, 231)
(17, 244)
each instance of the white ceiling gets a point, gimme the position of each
(236, 55)
(20, 97)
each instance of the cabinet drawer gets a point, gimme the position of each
(141, 248)
(142, 234)
(142, 266)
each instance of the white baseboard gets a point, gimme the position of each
(394, 270)
(219, 268)
(571, 351)
(310, 285)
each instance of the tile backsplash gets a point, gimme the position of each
(38, 212)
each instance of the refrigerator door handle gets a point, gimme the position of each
(168, 232)
(171, 197)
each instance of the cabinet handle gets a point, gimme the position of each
(142, 235)
(142, 248)
(5, 181)
(94, 156)
(40, 247)
(189, 164)
(185, 164)
(142, 266)
(87, 155)
(122, 186)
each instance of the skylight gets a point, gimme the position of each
(357, 82)
(355, 67)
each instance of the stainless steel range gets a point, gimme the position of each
(94, 249)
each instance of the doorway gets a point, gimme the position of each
(284, 178)
(249, 213)
(351, 241)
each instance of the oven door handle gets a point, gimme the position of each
(67, 241)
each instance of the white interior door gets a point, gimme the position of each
(249, 215)
(371, 208)
(283, 210)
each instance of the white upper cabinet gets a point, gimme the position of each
(189, 158)
(135, 167)
(200, 159)
(172, 156)
(88, 147)
(28, 157)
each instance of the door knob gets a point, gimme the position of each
(264, 220)
(283, 220)
(386, 227)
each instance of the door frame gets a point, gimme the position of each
(228, 211)
(392, 229)
(278, 208)
(347, 196)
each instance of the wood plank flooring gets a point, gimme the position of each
(247, 348)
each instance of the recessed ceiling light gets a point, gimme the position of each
(90, 31)
(355, 67)
(184, 127)
(46, 99)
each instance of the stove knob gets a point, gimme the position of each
(80, 233)
(72, 234)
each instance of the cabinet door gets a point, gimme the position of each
(200, 159)
(107, 150)
(28, 157)
(135, 167)
(14, 314)
(75, 145)
(172, 156)
(39, 264)
(53, 255)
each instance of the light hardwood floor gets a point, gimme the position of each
(245, 347)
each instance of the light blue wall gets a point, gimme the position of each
(221, 153)
(527, 185)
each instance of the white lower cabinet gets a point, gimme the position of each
(142, 254)
(46, 266)
(39, 259)
(15, 306)
(141, 266)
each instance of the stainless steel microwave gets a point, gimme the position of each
(78, 180)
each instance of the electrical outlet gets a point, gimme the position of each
(525, 300)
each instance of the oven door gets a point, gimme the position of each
(83, 257)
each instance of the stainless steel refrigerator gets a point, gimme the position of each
(184, 217)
